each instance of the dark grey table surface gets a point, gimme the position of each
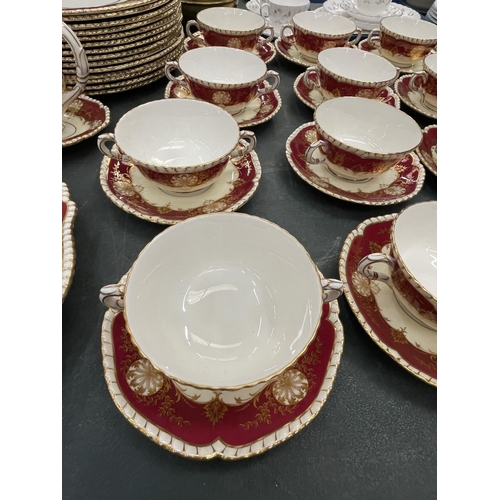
(376, 435)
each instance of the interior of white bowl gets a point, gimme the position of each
(231, 19)
(357, 65)
(415, 232)
(368, 125)
(324, 23)
(223, 300)
(431, 62)
(177, 132)
(222, 65)
(412, 28)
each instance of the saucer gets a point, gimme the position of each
(68, 242)
(128, 189)
(292, 53)
(261, 109)
(84, 118)
(414, 68)
(427, 151)
(266, 52)
(413, 99)
(398, 184)
(154, 406)
(410, 344)
(314, 97)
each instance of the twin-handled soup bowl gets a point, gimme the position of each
(229, 27)
(412, 262)
(182, 144)
(403, 40)
(316, 31)
(342, 71)
(426, 81)
(222, 304)
(361, 138)
(229, 78)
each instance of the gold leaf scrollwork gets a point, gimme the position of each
(290, 388)
(215, 409)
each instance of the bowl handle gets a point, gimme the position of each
(332, 289)
(374, 258)
(112, 296)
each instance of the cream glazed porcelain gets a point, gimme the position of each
(345, 72)
(229, 27)
(181, 144)
(412, 262)
(361, 138)
(222, 304)
(227, 77)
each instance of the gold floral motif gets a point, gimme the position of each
(367, 93)
(185, 180)
(398, 335)
(166, 409)
(210, 206)
(143, 379)
(215, 410)
(311, 136)
(329, 45)
(165, 209)
(266, 108)
(234, 43)
(290, 388)
(221, 97)
(431, 364)
(395, 190)
(271, 406)
(122, 183)
(361, 284)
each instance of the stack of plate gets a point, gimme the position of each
(127, 42)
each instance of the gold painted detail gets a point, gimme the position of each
(160, 398)
(234, 43)
(290, 388)
(215, 409)
(399, 335)
(221, 97)
(311, 136)
(274, 400)
(143, 379)
(211, 206)
(361, 284)
(329, 45)
(185, 180)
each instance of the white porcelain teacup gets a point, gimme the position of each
(229, 27)
(222, 304)
(412, 262)
(316, 31)
(227, 77)
(182, 144)
(347, 72)
(426, 81)
(280, 12)
(403, 40)
(361, 138)
(372, 7)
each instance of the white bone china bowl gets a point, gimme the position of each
(224, 302)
